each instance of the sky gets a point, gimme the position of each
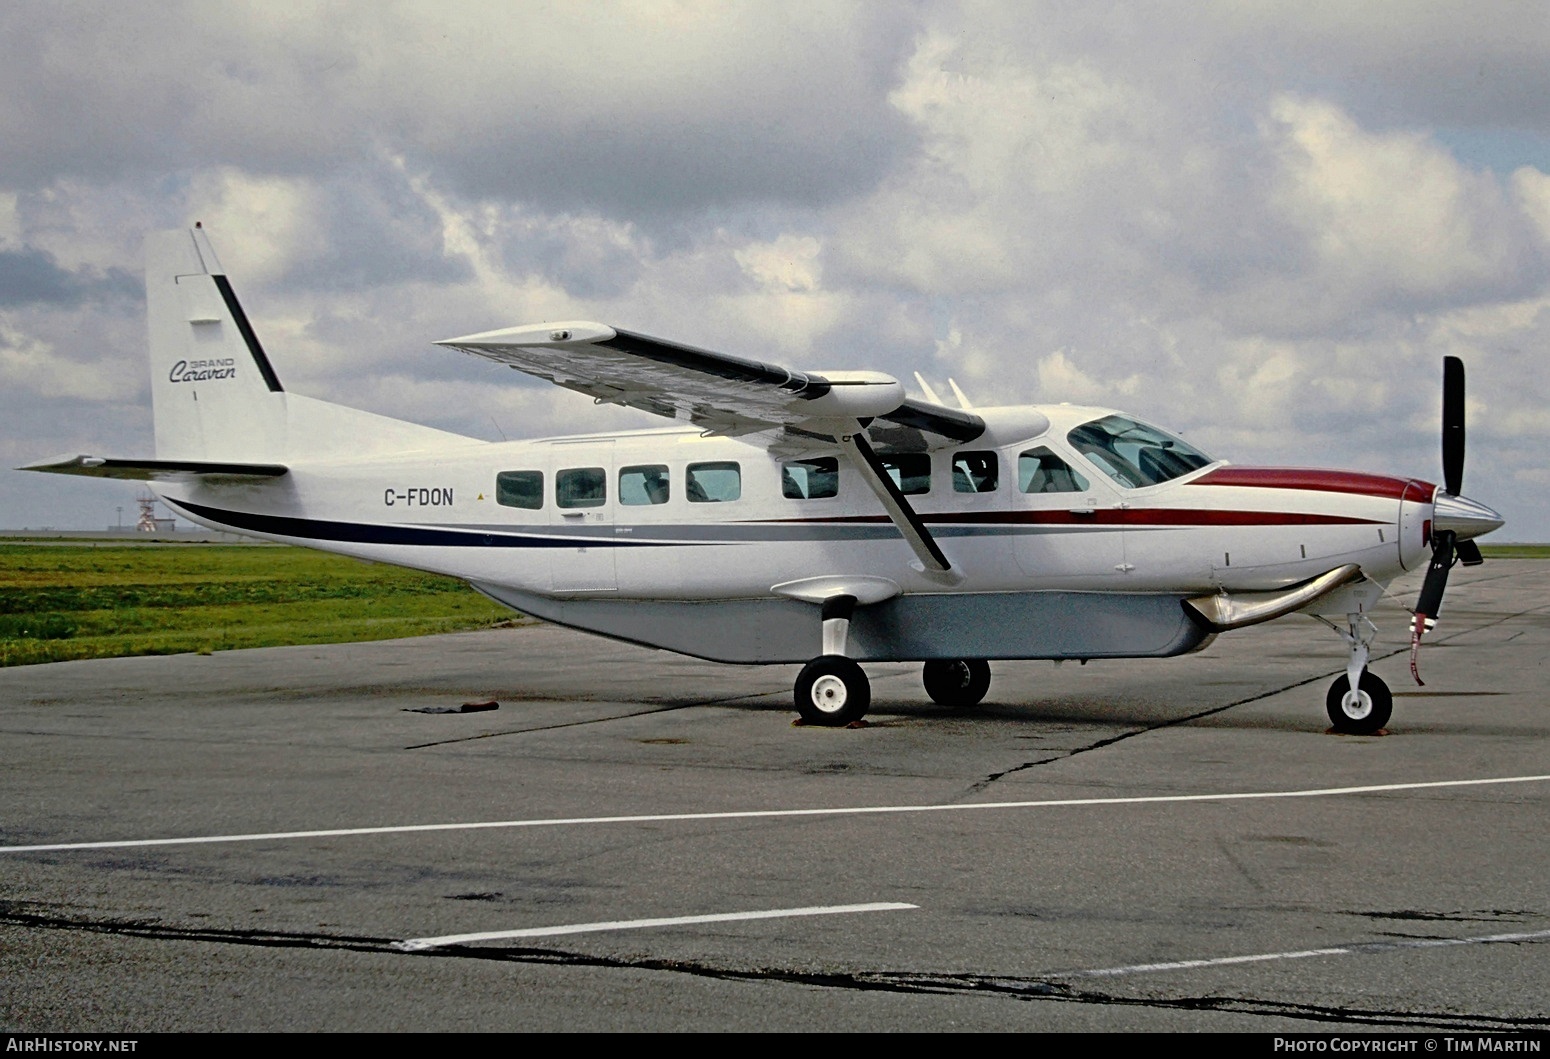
(1259, 224)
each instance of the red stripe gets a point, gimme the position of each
(1316, 480)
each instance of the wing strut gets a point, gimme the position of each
(859, 452)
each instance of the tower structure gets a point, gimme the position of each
(147, 520)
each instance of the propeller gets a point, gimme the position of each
(1444, 548)
(1450, 508)
(1453, 425)
(1468, 551)
(1445, 543)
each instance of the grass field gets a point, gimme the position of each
(61, 602)
(1515, 551)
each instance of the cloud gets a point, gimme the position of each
(33, 366)
(1393, 220)
(1255, 224)
(1401, 63)
(30, 275)
(633, 109)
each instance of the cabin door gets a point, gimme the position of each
(583, 517)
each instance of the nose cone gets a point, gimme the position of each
(1465, 517)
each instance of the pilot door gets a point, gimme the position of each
(583, 518)
(1069, 530)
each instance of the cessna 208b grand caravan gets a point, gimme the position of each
(800, 517)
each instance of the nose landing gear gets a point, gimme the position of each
(1363, 711)
(1358, 703)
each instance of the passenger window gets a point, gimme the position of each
(520, 489)
(643, 485)
(976, 472)
(581, 487)
(810, 479)
(713, 483)
(910, 471)
(1041, 471)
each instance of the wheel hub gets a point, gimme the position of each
(1356, 704)
(829, 693)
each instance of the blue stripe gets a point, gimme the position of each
(377, 533)
(640, 536)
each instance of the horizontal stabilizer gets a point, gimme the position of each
(155, 470)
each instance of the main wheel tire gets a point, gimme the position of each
(832, 691)
(956, 682)
(1370, 710)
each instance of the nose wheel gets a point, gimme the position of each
(1359, 712)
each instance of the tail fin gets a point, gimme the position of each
(215, 395)
(214, 392)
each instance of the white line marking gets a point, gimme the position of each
(420, 944)
(756, 814)
(1344, 950)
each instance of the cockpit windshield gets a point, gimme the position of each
(1134, 454)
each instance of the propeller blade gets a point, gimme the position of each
(1453, 425)
(1436, 577)
(1469, 553)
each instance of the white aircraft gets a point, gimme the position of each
(819, 517)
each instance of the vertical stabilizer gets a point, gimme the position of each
(214, 392)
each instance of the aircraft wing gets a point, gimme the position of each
(763, 403)
(155, 470)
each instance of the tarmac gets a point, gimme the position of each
(276, 840)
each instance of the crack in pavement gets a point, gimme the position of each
(1484, 915)
(1048, 988)
(981, 785)
(1053, 989)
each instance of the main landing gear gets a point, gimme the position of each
(959, 682)
(833, 691)
(1366, 709)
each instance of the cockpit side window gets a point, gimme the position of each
(1041, 471)
(1135, 454)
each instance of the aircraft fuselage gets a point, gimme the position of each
(453, 511)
